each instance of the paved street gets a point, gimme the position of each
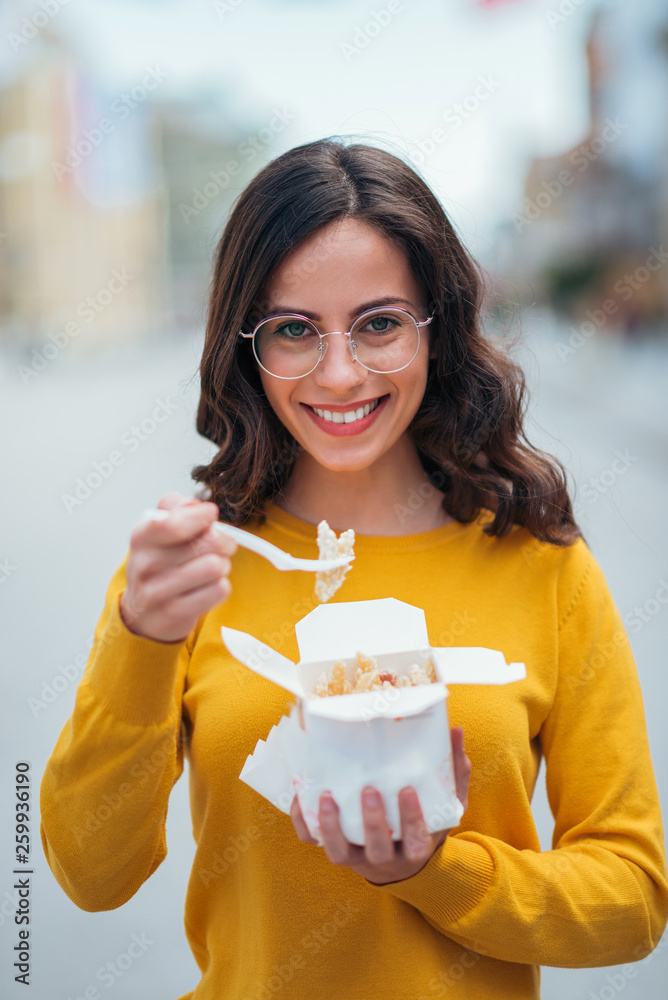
(130, 418)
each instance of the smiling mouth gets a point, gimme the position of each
(347, 416)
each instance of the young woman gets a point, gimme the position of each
(345, 376)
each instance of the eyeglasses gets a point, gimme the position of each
(290, 346)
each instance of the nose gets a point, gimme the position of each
(338, 370)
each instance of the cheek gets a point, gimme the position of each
(275, 397)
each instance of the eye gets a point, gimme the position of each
(295, 329)
(380, 324)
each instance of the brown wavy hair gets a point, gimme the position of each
(469, 427)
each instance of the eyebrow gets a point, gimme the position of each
(386, 300)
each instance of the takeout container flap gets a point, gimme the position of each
(475, 665)
(337, 631)
(263, 659)
(380, 628)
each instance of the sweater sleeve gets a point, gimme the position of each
(600, 896)
(106, 785)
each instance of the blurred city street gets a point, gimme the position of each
(605, 400)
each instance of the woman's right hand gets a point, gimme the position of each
(177, 570)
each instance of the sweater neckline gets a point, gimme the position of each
(305, 531)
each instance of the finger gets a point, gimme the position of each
(209, 540)
(198, 602)
(201, 572)
(462, 765)
(183, 524)
(416, 839)
(378, 844)
(299, 822)
(336, 846)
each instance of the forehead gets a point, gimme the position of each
(340, 266)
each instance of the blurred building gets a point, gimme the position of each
(111, 203)
(83, 252)
(206, 161)
(590, 236)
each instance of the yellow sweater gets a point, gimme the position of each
(269, 917)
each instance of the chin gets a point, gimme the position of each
(336, 461)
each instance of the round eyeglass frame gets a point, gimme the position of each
(322, 348)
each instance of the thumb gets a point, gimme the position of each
(462, 765)
(171, 500)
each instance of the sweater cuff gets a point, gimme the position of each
(450, 885)
(132, 676)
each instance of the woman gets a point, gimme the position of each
(345, 377)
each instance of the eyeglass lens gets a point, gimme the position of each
(383, 341)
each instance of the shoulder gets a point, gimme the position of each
(570, 569)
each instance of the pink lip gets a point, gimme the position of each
(345, 430)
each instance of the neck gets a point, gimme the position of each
(391, 497)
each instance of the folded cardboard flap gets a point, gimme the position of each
(337, 631)
(263, 659)
(475, 665)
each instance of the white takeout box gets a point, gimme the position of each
(387, 738)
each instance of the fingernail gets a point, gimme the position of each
(409, 795)
(371, 797)
(327, 802)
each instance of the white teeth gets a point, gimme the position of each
(350, 416)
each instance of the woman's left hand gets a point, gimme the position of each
(382, 860)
